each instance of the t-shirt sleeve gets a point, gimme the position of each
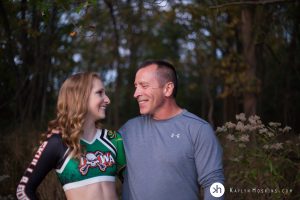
(122, 130)
(208, 159)
(45, 159)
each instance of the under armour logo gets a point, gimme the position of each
(175, 135)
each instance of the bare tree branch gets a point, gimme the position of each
(118, 58)
(254, 2)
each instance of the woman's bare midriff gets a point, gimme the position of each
(96, 191)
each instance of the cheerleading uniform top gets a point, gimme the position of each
(102, 160)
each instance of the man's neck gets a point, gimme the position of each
(169, 110)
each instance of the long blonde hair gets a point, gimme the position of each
(72, 106)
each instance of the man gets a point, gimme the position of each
(170, 151)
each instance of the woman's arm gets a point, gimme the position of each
(45, 159)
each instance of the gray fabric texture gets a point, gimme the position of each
(170, 159)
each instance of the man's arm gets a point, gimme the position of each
(208, 159)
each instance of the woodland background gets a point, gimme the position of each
(232, 57)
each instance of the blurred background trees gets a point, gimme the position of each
(231, 56)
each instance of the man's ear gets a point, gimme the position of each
(168, 89)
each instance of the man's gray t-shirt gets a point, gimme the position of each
(170, 159)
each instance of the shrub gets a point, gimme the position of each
(260, 161)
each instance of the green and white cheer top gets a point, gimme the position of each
(102, 160)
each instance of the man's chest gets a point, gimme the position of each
(155, 145)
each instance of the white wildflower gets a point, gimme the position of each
(277, 146)
(255, 120)
(274, 124)
(241, 117)
(266, 147)
(256, 117)
(244, 138)
(247, 127)
(263, 130)
(252, 120)
(230, 125)
(220, 129)
(286, 129)
(230, 137)
(259, 122)
(240, 127)
(270, 134)
(250, 127)
(261, 126)
(235, 159)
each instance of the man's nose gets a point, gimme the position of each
(136, 92)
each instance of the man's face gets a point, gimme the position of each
(148, 91)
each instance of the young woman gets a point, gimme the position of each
(85, 157)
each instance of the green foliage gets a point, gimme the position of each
(259, 156)
(233, 72)
(40, 39)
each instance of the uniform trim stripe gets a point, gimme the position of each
(66, 161)
(106, 142)
(82, 183)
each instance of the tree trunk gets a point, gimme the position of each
(116, 112)
(249, 98)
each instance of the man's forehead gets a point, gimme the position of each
(144, 79)
(146, 73)
(147, 78)
(148, 69)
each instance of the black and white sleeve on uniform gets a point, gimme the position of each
(47, 157)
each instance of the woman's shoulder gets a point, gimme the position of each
(54, 137)
(112, 134)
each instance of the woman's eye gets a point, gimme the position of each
(100, 93)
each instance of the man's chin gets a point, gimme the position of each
(143, 112)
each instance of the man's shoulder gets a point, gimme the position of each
(132, 123)
(136, 119)
(193, 118)
(198, 126)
